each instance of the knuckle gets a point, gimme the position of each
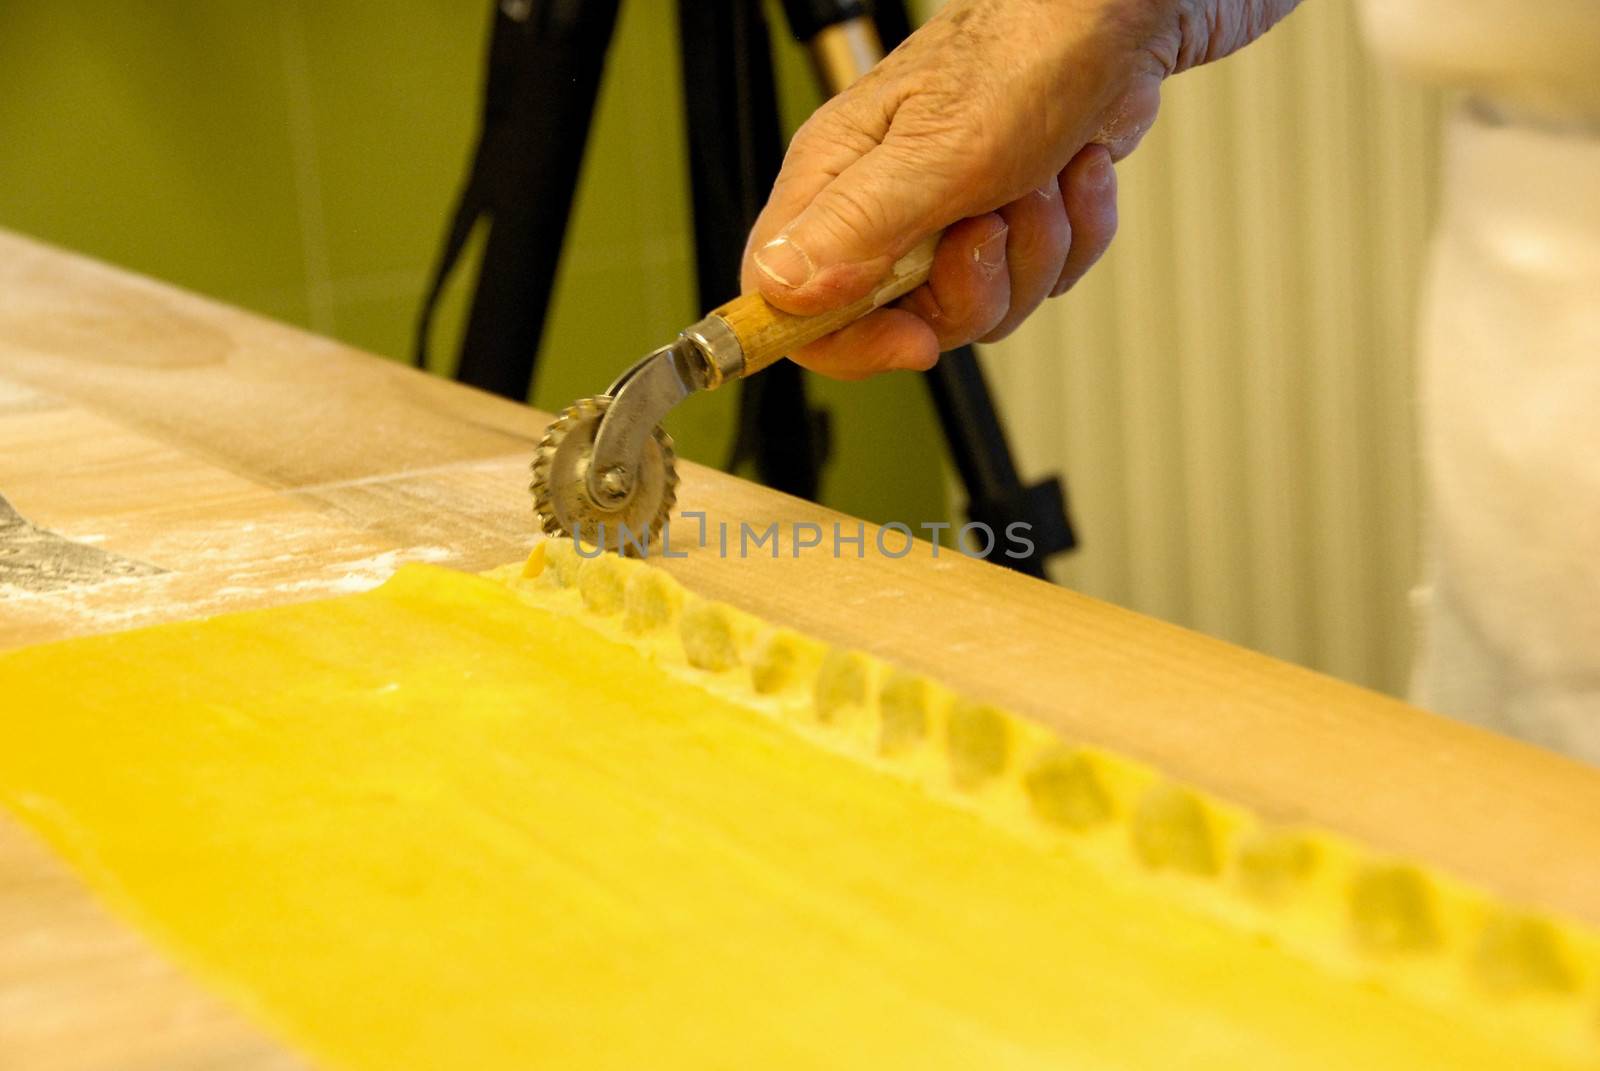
(832, 128)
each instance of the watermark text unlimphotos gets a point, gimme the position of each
(840, 539)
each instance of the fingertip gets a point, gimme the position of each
(980, 240)
(921, 360)
(1090, 172)
(1036, 253)
(969, 289)
(1089, 190)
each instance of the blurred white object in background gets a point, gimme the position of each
(1536, 61)
(1510, 365)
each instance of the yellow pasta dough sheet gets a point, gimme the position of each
(573, 817)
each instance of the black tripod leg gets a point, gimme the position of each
(996, 496)
(735, 148)
(545, 62)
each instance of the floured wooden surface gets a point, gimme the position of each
(259, 465)
(35, 561)
(209, 539)
(443, 825)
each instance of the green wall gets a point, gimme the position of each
(299, 159)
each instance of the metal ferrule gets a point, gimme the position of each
(845, 51)
(720, 349)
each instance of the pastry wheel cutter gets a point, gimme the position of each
(604, 473)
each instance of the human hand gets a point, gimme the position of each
(999, 122)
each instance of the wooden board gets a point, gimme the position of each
(251, 464)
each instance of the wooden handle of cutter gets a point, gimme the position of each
(766, 333)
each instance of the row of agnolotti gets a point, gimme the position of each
(1324, 896)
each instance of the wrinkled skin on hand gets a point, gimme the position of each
(1000, 122)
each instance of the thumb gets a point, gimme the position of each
(845, 239)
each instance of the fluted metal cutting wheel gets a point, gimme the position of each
(560, 484)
